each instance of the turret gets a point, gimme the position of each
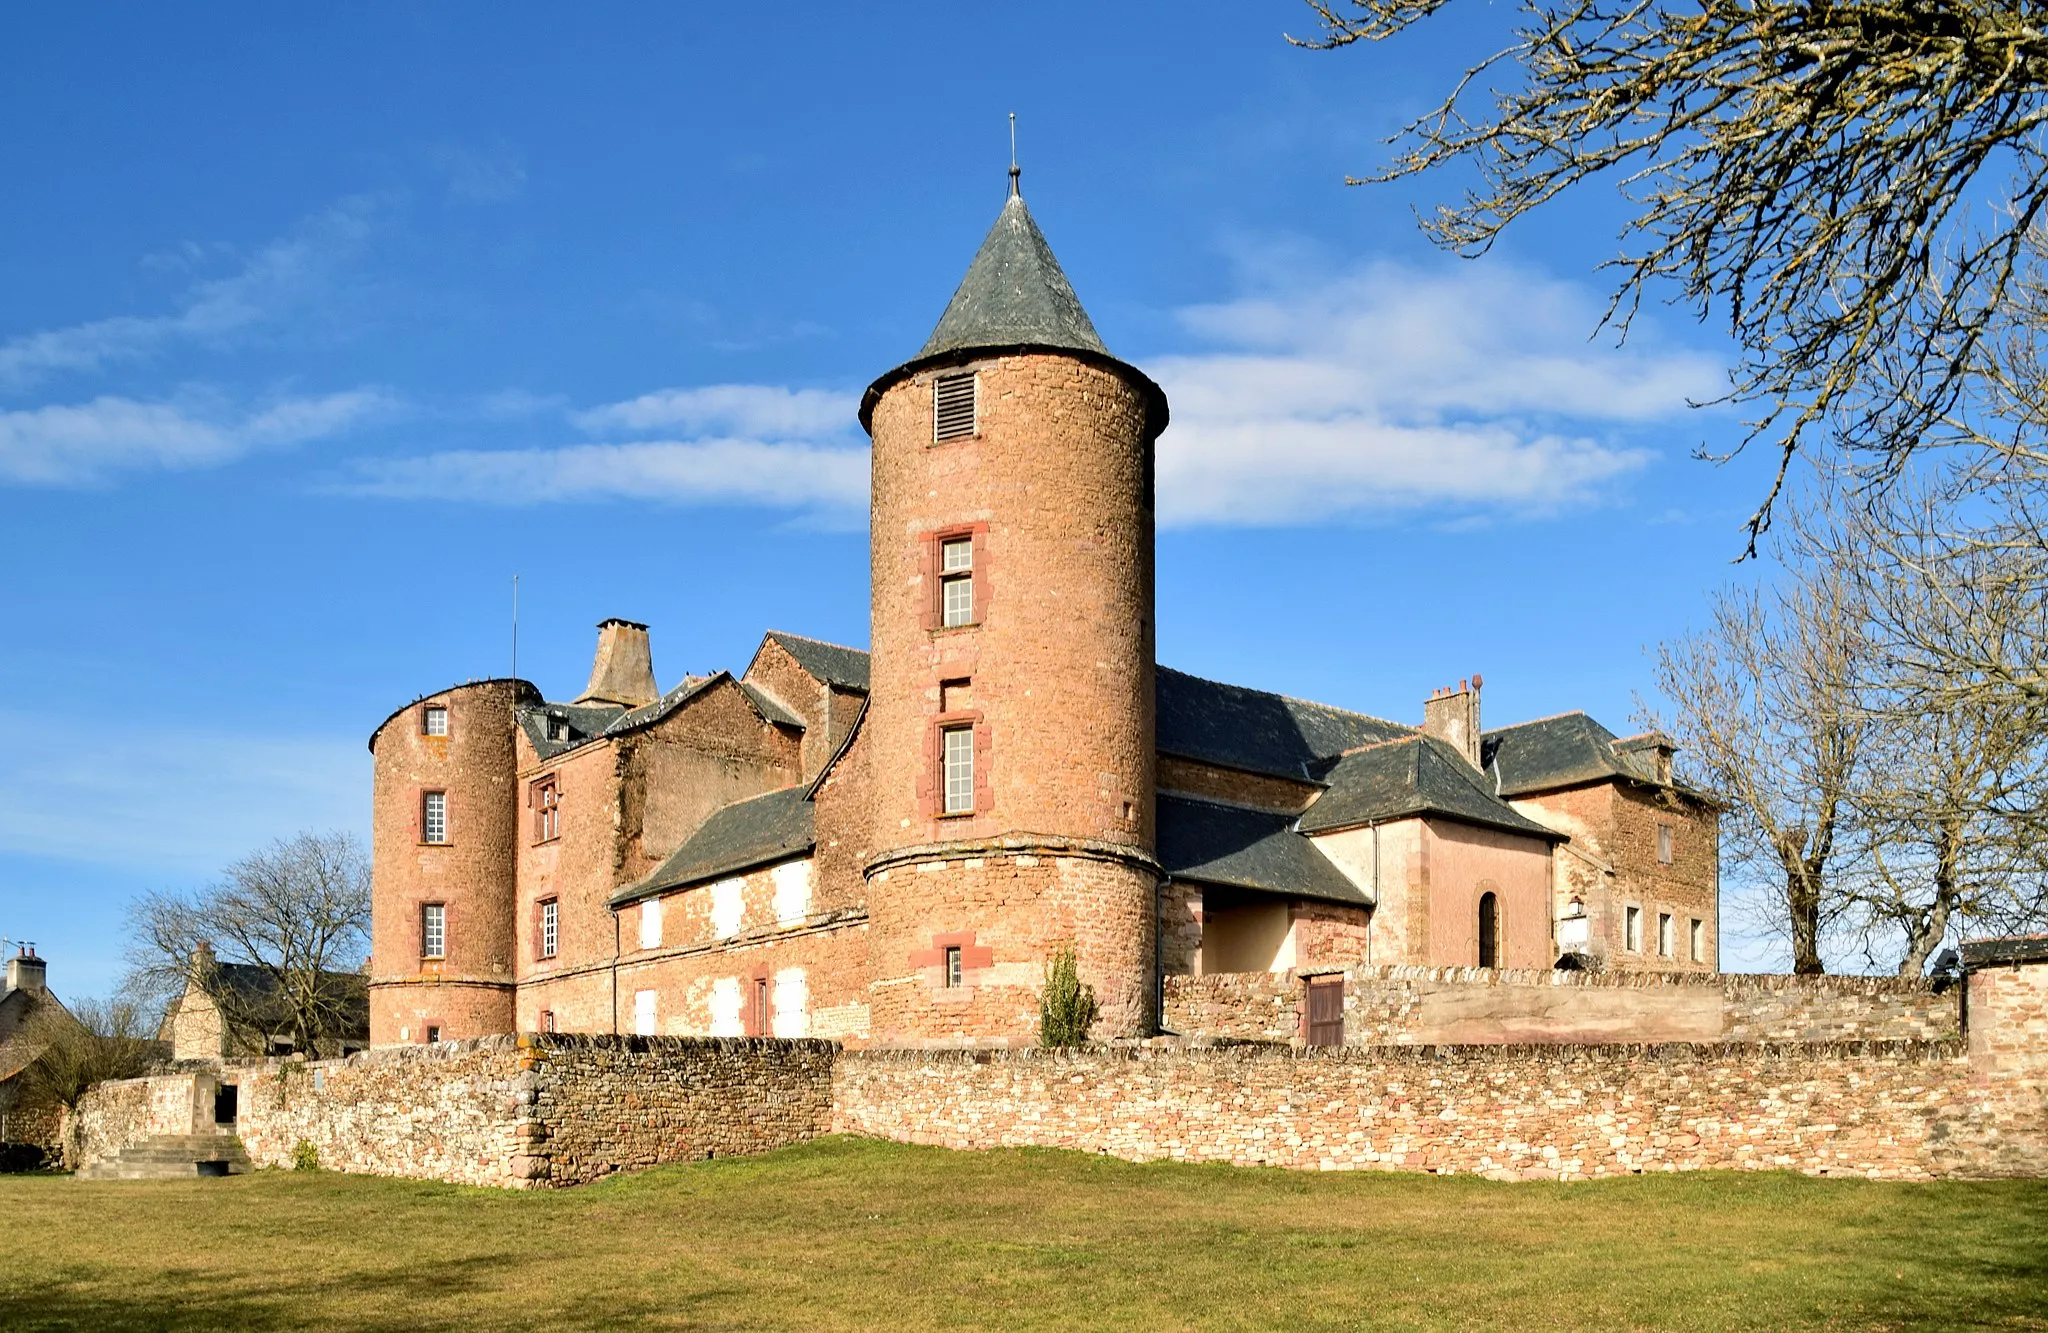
(444, 830)
(1010, 722)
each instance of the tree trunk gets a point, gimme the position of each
(1927, 929)
(1802, 907)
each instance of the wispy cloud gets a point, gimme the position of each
(753, 410)
(1393, 390)
(268, 283)
(77, 444)
(124, 796)
(714, 471)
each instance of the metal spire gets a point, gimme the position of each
(1015, 192)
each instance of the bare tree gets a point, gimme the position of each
(1811, 165)
(1765, 709)
(298, 912)
(81, 1047)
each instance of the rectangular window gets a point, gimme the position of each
(547, 1020)
(1699, 940)
(434, 720)
(434, 817)
(650, 924)
(953, 407)
(953, 967)
(433, 1033)
(760, 1007)
(1664, 843)
(546, 800)
(433, 931)
(956, 582)
(959, 769)
(1632, 929)
(558, 728)
(550, 924)
(1665, 927)
(643, 1013)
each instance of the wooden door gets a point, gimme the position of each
(1326, 1011)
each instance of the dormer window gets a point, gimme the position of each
(558, 727)
(956, 582)
(434, 720)
(953, 407)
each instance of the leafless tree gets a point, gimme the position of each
(298, 911)
(83, 1046)
(1853, 180)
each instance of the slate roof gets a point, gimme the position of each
(1248, 849)
(743, 836)
(1417, 776)
(1014, 294)
(2009, 949)
(588, 722)
(829, 662)
(1561, 751)
(258, 991)
(581, 723)
(1256, 731)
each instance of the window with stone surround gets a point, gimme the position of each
(1699, 940)
(643, 1013)
(434, 720)
(1632, 929)
(957, 762)
(956, 582)
(545, 796)
(434, 817)
(433, 930)
(1666, 931)
(953, 972)
(650, 923)
(1664, 835)
(550, 926)
(953, 406)
(547, 1020)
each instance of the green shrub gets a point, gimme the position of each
(1066, 1007)
(305, 1157)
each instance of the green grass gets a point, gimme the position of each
(854, 1234)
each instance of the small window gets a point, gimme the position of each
(546, 799)
(1632, 929)
(1489, 930)
(434, 720)
(953, 407)
(547, 1020)
(760, 1007)
(1699, 940)
(1665, 929)
(959, 769)
(434, 817)
(1664, 843)
(650, 924)
(643, 1013)
(558, 727)
(433, 1034)
(953, 967)
(956, 582)
(550, 925)
(433, 931)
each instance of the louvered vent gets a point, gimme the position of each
(953, 408)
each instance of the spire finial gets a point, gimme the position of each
(1014, 173)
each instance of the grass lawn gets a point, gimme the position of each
(855, 1234)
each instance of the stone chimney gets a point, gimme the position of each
(1452, 716)
(1651, 754)
(624, 670)
(27, 972)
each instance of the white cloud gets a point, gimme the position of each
(155, 799)
(1388, 389)
(808, 476)
(749, 410)
(75, 444)
(272, 279)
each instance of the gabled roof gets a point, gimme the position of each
(830, 662)
(589, 722)
(1256, 731)
(740, 837)
(1561, 751)
(1403, 779)
(1014, 294)
(1248, 849)
(580, 723)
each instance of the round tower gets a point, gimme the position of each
(1010, 723)
(444, 845)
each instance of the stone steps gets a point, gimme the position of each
(172, 1157)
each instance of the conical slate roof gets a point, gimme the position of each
(1014, 295)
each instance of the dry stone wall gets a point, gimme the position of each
(1434, 1005)
(1876, 1109)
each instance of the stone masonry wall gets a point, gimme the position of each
(1425, 1005)
(126, 1111)
(1876, 1109)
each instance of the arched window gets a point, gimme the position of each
(1489, 930)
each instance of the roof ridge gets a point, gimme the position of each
(1554, 717)
(1294, 699)
(822, 643)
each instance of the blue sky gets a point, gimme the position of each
(318, 326)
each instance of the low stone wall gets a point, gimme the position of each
(1876, 1109)
(539, 1110)
(116, 1114)
(1447, 1005)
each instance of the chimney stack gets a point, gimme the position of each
(624, 670)
(27, 972)
(1452, 716)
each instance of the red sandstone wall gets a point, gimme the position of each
(1191, 777)
(1466, 862)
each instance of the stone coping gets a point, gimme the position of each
(1618, 980)
(1933, 1050)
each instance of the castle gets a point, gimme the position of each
(884, 848)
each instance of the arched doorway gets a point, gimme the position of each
(1489, 930)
